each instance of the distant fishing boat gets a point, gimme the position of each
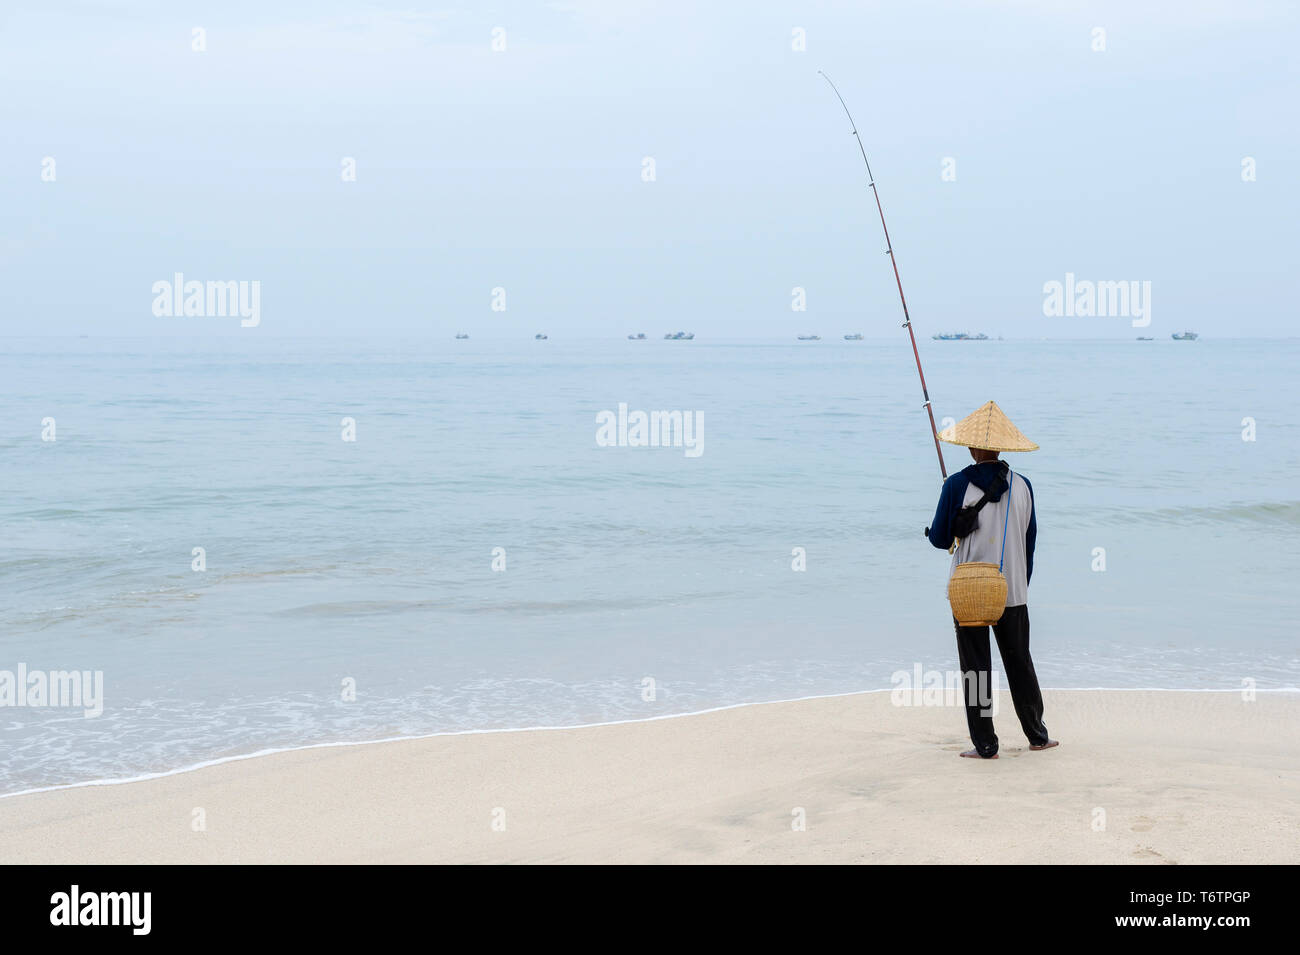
(1184, 336)
(679, 336)
(539, 337)
(853, 338)
(461, 335)
(809, 338)
(961, 337)
(638, 337)
(1145, 339)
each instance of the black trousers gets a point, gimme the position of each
(1012, 632)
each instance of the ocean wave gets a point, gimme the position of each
(368, 608)
(1277, 513)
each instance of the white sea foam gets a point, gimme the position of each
(144, 777)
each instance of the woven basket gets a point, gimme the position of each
(978, 594)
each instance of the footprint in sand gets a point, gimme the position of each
(1146, 852)
(1143, 824)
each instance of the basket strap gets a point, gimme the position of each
(1005, 517)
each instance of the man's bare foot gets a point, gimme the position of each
(1048, 745)
(974, 754)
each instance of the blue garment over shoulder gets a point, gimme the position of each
(953, 495)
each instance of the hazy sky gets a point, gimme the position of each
(522, 168)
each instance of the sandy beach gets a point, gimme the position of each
(1141, 777)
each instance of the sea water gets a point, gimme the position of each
(415, 536)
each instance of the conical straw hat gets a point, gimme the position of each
(989, 429)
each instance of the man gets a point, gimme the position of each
(970, 521)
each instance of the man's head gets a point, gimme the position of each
(980, 455)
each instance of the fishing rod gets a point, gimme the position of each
(907, 320)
